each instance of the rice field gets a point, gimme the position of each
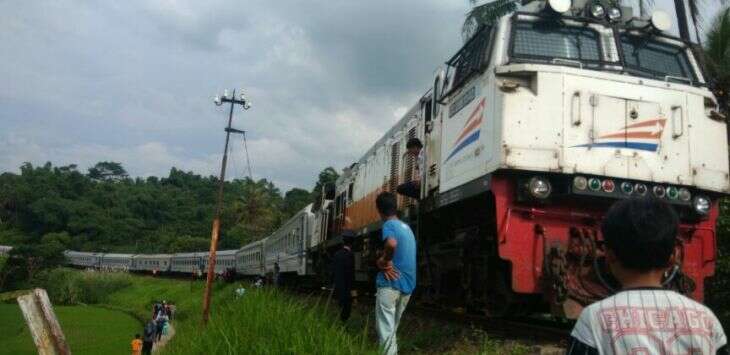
(88, 330)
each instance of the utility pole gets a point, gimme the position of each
(219, 100)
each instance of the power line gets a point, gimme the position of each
(248, 160)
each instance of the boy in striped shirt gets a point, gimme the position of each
(643, 317)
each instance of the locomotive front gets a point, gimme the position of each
(569, 108)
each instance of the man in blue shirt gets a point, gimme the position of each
(397, 277)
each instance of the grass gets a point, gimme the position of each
(88, 330)
(424, 335)
(264, 321)
(268, 322)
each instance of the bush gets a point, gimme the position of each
(69, 287)
(265, 321)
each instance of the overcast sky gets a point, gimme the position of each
(133, 81)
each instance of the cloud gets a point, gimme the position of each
(132, 81)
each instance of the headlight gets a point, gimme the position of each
(597, 11)
(614, 14)
(608, 185)
(661, 20)
(659, 191)
(701, 205)
(627, 188)
(580, 183)
(539, 187)
(672, 192)
(594, 184)
(560, 6)
(684, 195)
(640, 189)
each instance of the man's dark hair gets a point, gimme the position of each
(414, 143)
(137, 336)
(386, 204)
(641, 233)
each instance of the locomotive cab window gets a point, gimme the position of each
(548, 41)
(472, 58)
(645, 56)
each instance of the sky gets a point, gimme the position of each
(133, 81)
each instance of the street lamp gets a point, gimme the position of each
(245, 104)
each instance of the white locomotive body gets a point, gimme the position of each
(539, 123)
(560, 99)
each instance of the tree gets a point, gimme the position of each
(717, 54)
(328, 176)
(294, 200)
(107, 171)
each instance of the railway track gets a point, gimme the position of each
(533, 330)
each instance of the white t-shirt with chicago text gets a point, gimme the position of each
(649, 321)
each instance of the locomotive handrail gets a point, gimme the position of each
(680, 78)
(567, 61)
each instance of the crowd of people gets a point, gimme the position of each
(157, 327)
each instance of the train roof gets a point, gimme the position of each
(80, 253)
(253, 244)
(194, 254)
(153, 256)
(118, 255)
(402, 122)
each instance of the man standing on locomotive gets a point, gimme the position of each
(412, 189)
(397, 277)
(644, 317)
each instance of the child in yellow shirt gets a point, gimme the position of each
(137, 345)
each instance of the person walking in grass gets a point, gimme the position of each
(161, 322)
(643, 317)
(150, 333)
(397, 277)
(137, 344)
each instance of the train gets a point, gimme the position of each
(548, 114)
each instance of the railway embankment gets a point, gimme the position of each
(270, 321)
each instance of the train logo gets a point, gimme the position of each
(470, 133)
(638, 136)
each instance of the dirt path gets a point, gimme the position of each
(165, 338)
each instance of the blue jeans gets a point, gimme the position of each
(389, 306)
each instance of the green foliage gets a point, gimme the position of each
(105, 210)
(71, 287)
(26, 262)
(326, 177)
(296, 199)
(108, 171)
(717, 53)
(268, 322)
(262, 322)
